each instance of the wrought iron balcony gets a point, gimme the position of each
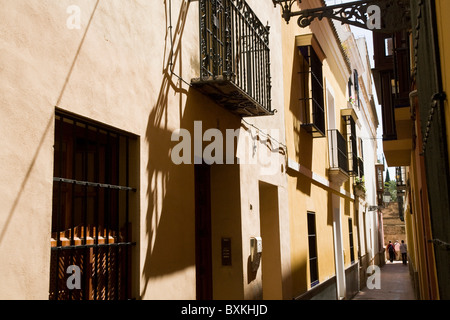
(360, 167)
(234, 57)
(352, 144)
(338, 150)
(338, 156)
(400, 177)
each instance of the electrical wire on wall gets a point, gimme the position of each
(282, 148)
(170, 27)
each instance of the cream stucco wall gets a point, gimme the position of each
(116, 69)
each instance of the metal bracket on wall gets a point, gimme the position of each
(440, 243)
(395, 15)
(435, 100)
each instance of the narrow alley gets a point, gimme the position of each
(395, 284)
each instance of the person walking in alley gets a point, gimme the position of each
(391, 251)
(397, 250)
(403, 251)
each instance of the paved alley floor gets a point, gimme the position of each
(395, 284)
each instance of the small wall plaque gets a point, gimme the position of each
(226, 251)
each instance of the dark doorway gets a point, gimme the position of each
(203, 249)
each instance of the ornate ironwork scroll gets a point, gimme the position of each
(394, 15)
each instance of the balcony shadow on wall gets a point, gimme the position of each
(170, 219)
(303, 141)
(331, 206)
(330, 217)
(300, 277)
(347, 211)
(167, 225)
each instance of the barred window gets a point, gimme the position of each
(350, 235)
(352, 145)
(312, 92)
(312, 244)
(91, 219)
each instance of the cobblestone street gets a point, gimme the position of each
(396, 284)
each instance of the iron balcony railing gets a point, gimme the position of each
(352, 146)
(313, 97)
(338, 150)
(234, 49)
(360, 167)
(400, 177)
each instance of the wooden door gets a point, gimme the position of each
(203, 232)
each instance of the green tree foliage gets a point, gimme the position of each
(391, 186)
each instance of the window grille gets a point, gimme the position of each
(91, 219)
(350, 235)
(360, 167)
(312, 92)
(356, 84)
(312, 244)
(352, 146)
(338, 150)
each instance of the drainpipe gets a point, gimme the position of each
(338, 249)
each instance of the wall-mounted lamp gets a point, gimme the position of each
(286, 5)
(255, 252)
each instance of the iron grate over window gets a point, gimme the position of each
(352, 146)
(312, 92)
(91, 219)
(350, 235)
(338, 150)
(312, 249)
(361, 167)
(234, 49)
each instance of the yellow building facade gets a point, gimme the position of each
(329, 234)
(416, 137)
